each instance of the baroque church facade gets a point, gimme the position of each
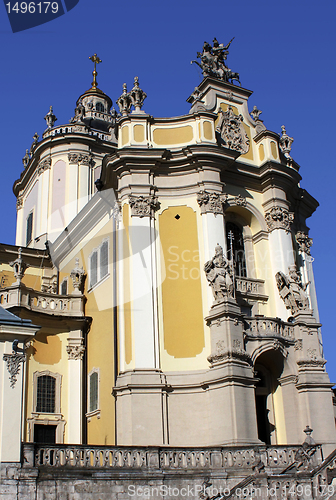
(158, 310)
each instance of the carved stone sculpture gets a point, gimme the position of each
(255, 113)
(79, 158)
(292, 290)
(219, 275)
(124, 102)
(34, 143)
(13, 362)
(211, 202)
(278, 218)
(304, 242)
(50, 118)
(143, 206)
(137, 96)
(213, 61)
(232, 132)
(285, 142)
(77, 275)
(26, 159)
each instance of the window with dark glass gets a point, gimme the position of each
(93, 268)
(104, 259)
(29, 228)
(235, 246)
(46, 387)
(100, 107)
(93, 402)
(64, 287)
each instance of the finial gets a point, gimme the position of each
(34, 143)
(25, 159)
(50, 118)
(95, 59)
(124, 102)
(137, 96)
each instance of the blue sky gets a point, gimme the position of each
(284, 52)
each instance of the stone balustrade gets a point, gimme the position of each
(45, 302)
(245, 459)
(261, 326)
(250, 287)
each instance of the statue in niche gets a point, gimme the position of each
(219, 275)
(292, 290)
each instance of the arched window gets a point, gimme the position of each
(100, 107)
(235, 244)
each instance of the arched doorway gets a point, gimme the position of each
(268, 369)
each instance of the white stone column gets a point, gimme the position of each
(142, 233)
(278, 221)
(12, 396)
(75, 350)
(213, 225)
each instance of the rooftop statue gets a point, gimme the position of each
(219, 275)
(292, 290)
(213, 62)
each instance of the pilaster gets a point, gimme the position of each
(75, 350)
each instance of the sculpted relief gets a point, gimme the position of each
(292, 290)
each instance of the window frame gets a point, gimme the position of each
(41, 418)
(95, 412)
(97, 250)
(31, 214)
(65, 280)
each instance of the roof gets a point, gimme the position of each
(8, 318)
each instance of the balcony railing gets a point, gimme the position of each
(48, 303)
(116, 457)
(250, 287)
(268, 327)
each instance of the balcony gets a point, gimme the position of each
(19, 295)
(262, 327)
(250, 288)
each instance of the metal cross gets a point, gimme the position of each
(95, 59)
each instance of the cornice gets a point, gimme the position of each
(52, 141)
(32, 256)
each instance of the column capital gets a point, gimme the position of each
(278, 218)
(75, 349)
(143, 206)
(13, 362)
(211, 202)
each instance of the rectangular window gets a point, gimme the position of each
(104, 259)
(93, 396)
(29, 228)
(64, 287)
(99, 263)
(46, 386)
(93, 269)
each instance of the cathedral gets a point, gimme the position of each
(159, 323)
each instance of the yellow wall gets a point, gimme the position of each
(183, 323)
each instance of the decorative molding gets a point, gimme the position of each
(44, 165)
(79, 158)
(292, 290)
(240, 200)
(19, 202)
(75, 349)
(211, 202)
(13, 362)
(232, 132)
(278, 218)
(304, 242)
(143, 206)
(298, 346)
